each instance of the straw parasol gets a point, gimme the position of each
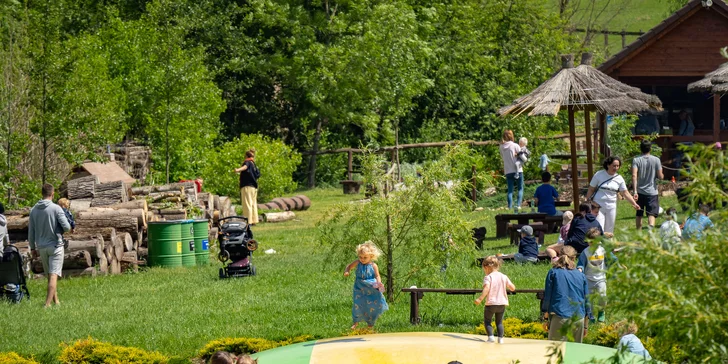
(714, 82)
(586, 89)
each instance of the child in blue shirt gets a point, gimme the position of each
(545, 196)
(528, 247)
(697, 223)
(629, 340)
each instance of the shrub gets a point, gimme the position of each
(515, 327)
(276, 160)
(244, 345)
(14, 358)
(93, 351)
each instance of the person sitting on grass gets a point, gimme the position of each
(528, 247)
(552, 250)
(670, 232)
(628, 339)
(593, 261)
(697, 223)
(495, 285)
(546, 195)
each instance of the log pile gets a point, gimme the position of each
(133, 159)
(295, 203)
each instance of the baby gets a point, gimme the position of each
(524, 154)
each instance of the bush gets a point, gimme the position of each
(276, 161)
(244, 345)
(94, 351)
(14, 358)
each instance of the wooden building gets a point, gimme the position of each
(663, 61)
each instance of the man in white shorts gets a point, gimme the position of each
(46, 225)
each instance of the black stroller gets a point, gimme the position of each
(237, 246)
(12, 280)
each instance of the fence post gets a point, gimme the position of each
(350, 169)
(475, 188)
(606, 44)
(624, 38)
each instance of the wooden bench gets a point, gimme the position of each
(509, 257)
(416, 295)
(502, 220)
(539, 230)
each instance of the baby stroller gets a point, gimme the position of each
(12, 280)
(237, 246)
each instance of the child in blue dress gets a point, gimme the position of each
(369, 302)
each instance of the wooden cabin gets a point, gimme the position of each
(663, 61)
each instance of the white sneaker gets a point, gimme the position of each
(491, 339)
(500, 340)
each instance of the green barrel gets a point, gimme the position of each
(188, 243)
(165, 243)
(202, 245)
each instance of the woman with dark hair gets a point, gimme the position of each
(564, 303)
(512, 170)
(603, 189)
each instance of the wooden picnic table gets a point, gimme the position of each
(502, 220)
(416, 295)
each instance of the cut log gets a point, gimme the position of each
(94, 246)
(130, 205)
(280, 202)
(142, 253)
(90, 272)
(225, 206)
(174, 217)
(111, 191)
(299, 202)
(17, 223)
(160, 196)
(114, 266)
(289, 203)
(127, 243)
(278, 216)
(118, 247)
(20, 212)
(106, 212)
(83, 233)
(306, 201)
(130, 261)
(82, 188)
(103, 265)
(80, 205)
(162, 188)
(75, 260)
(123, 223)
(216, 202)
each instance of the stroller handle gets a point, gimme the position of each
(233, 217)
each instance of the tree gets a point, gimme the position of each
(418, 226)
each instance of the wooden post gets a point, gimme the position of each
(624, 38)
(602, 118)
(606, 44)
(350, 169)
(589, 157)
(474, 195)
(716, 118)
(574, 175)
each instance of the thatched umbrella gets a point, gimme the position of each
(579, 89)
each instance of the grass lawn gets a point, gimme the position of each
(178, 311)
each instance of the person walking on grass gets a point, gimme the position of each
(646, 169)
(369, 302)
(594, 262)
(565, 299)
(249, 174)
(603, 189)
(495, 285)
(513, 171)
(46, 225)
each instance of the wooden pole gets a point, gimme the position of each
(350, 169)
(589, 156)
(602, 134)
(624, 38)
(716, 118)
(474, 191)
(606, 44)
(574, 176)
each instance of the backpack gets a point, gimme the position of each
(255, 172)
(12, 279)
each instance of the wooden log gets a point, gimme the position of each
(225, 204)
(105, 212)
(127, 243)
(80, 205)
(216, 202)
(278, 216)
(142, 253)
(118, 247)
(123, 223)
(17, 223)
(19, 212)
(262, 206)
(130, 205)
(99, 202)
(90, 272)
(181, 186)
(84, 233)
(174, 217)
(272, 206)
(103, 265)
(280, 205)
(290, 204)
(75, 260)
(165, 196)
(82, 188)
(111, 191)
(299, 203)
(94, 246)
(114, 266)
(306, 201)
(130, 261)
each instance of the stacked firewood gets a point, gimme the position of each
(135, 160)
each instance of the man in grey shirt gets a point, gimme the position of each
(46, 224)
(645, 169)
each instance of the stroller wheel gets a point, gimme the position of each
(221, 272)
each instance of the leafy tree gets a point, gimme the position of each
(417, 226)
(276, 161)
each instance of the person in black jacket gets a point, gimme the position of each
(249, 174)
(528, 247)
(582, 222)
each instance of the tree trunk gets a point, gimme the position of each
(122, 223)
(90, 271)
(130, 205)
(108, 213)
(180, 186)
(110, 191)
(82, 233)
(80, 205)
(278, 216)
(75, 260)
(115, 266)
(390, 261)
(312, 159)
(130, 262)
(84, 187)
(18, 223)
(103, 265)
(126, 241)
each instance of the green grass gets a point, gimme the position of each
(177, 311)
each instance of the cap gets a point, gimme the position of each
(526, 230)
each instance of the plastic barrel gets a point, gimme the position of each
(188, 243)
(202, 244)
(165, 243)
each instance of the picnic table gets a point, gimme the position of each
(502, 220)
(416, 295)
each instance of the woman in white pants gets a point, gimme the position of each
(603, 189)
